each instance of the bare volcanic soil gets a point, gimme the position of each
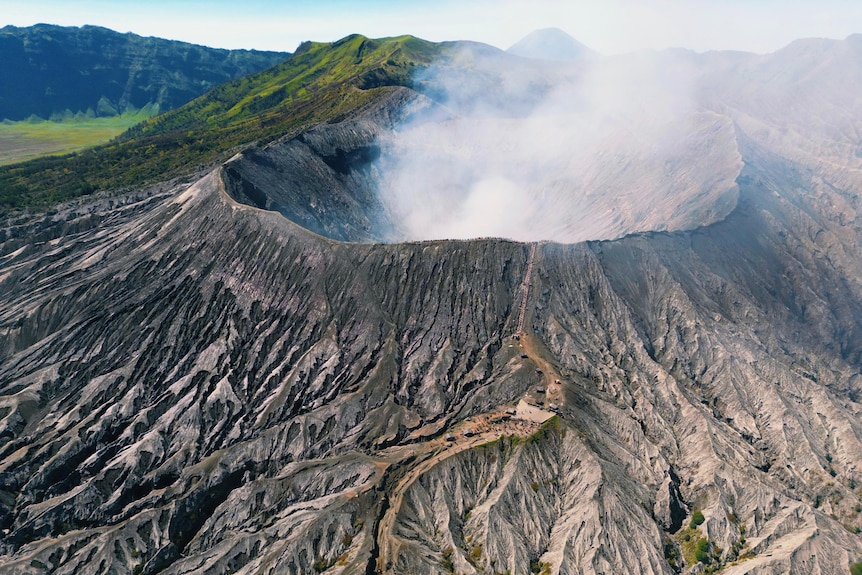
(202, 378)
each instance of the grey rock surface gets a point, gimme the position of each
(192, 384)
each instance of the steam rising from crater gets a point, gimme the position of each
(534, 150)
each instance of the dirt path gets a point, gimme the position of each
(533, 347)
(525, 290)
(536, 352)
(484, 428)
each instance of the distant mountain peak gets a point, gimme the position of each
(550, 44)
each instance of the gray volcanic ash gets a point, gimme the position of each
(237, 375)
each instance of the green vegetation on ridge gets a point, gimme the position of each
(320, 82)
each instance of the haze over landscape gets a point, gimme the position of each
(494, 300)
(610, 26)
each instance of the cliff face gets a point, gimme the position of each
(50, 69)
(189, 383)
(327, 179)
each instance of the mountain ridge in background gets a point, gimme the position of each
(50, 70)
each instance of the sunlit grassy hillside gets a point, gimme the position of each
(320, 82)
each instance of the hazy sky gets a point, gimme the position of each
(608, 26)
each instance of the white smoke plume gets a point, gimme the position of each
(533, 150)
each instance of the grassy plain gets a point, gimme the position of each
(26, 140)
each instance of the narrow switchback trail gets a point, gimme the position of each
(533, 349)
(473, 432)
(483, 428)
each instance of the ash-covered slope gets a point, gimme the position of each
(325, 179)
(193, 385)
(222, 362)
(190, 384)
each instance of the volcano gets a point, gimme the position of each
(266, 365)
